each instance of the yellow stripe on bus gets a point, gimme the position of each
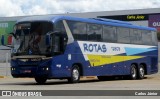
(97, 60)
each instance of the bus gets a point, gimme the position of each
(65, 47)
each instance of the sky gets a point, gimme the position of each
(40, 7)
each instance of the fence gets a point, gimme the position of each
(5, 69)
(5, 63)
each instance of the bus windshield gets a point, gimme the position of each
(29, 38)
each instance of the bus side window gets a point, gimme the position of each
(154, 38)
(59, 26)
(78, 29)
(109, 34)
(146, 37)
(135, 36)
(94, 32)
(123, 35)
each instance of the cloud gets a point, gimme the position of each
(38, 7)
(7, 8)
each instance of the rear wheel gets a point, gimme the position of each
(75, 75)
(141, 72)
(40, 80)
(133, 72)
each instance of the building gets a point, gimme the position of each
(143, 17)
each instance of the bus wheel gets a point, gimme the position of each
(141, 72)
(133, 74)
(40, 80)
(75, 75)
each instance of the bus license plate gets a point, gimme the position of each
(27, 71)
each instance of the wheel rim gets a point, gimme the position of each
(141, 70)
(133, 72)
(75, 74)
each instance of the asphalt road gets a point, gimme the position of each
(151, 82)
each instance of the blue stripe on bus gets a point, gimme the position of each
(133, 51)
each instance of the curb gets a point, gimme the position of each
(2, 76)
(5, 76)
(88, 77)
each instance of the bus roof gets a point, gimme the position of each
(37, 18)
(54, 18)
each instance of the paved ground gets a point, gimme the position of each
(151, 82)
(5, 69)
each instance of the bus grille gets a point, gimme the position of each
(28, 63)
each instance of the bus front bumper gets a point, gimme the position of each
(30, 72)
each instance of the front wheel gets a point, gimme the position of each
(40, 80)
(75, 75)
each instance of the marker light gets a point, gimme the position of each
(47, 68)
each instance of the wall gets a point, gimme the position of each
(6, 27)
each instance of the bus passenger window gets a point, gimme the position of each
(78, 30)
(154, 38)
(123, 35)
(94, 32)
(109, 34)
(135, 36)
(146, 37)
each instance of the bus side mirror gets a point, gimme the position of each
(48, 39)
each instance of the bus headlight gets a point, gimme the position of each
(46, 68)
(13, 68)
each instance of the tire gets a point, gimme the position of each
(75, 75)
(40, 80)
(133, 72)
(141, 72)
